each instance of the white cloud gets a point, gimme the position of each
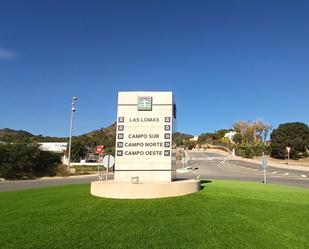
(6, 54)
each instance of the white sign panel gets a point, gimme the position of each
(144, 136)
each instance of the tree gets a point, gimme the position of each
(241, 127)
(205, 138)
(294, 135)
(78, 150)
(181, 140)
(237, 139)
(213, 138)
(261, 130)
(220, 134)
(252, 132)
(250, 138)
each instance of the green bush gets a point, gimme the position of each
(25, 160)
(245, 151)
(294, 135)
(248, 151)
(261, 148)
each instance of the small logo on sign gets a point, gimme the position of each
(167, 119)
(167, 127)
(167, 153)
(167, 136)
(167, 144)
(144, 104)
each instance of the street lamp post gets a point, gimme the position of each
(73, 109)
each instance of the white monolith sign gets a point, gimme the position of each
(144, 137)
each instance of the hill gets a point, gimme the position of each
(105, 136)
(183, 140)
(13, 136)
(10, 135)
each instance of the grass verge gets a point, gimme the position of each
(225, 214)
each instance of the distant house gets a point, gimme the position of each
(230, 135)
(194, 139)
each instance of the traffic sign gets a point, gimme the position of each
(108, 161)
(100, 149)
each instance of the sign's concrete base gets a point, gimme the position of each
(145, 190)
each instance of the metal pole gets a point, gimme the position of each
(107, 167)
(264, 164)
(71, 129)
(288, 148)
(99, 166)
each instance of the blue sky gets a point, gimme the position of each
(224, 60)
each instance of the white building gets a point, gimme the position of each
(55, 147)
(194, 139)
(230, 135)
(58, 147)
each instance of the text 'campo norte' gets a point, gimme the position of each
(151, 144)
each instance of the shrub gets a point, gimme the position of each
(237, 138)
(25, 160)
(249, 151)
(245, 151)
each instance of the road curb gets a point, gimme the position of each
(291, 167)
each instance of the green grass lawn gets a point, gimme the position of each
(225, 214)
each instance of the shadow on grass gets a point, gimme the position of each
(204, 182)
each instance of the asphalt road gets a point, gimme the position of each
(216, 166)
(206, 165)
